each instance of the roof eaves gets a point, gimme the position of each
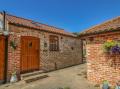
(17, 24)
(93, 27)
(99, 32)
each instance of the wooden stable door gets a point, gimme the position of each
(2, 57)
(30, 54)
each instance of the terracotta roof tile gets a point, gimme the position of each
(29, 23)
(104, 27)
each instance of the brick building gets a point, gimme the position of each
(35, 46)
(102, 66)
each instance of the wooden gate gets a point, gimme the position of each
(30, 54)
(2, 57)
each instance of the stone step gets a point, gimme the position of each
(35, 78)
(31, 74)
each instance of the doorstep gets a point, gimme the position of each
(31, 74)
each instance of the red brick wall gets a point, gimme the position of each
(102, 66)
(63, 58)
(13, 56)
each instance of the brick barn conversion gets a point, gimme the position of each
(27, 46)
(33, 46)
(101, 65)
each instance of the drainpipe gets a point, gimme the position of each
(82, 50)
(5, 33)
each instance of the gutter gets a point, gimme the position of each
(99, 32)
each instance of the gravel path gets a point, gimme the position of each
(72, 77)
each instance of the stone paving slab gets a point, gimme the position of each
(73, 77)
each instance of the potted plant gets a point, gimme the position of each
(13, 78)
(105, 85)
(118, 85)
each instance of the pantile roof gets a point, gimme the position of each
(108, 26)
(36, 25)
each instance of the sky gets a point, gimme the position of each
(71, 15)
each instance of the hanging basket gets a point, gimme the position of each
(13, 45)
(111, 47)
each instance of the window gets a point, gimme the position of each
(54, 43)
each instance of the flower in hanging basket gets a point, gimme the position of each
(108, 45)
(111, 47)
(109, 40)
(115, 49)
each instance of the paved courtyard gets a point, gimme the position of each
(72, 77)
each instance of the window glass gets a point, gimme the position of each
(54, 43)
